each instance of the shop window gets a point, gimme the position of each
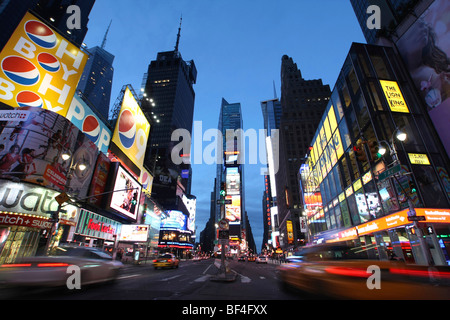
(337, 105)
(345, 135)
(429, 187)
(353, 166)
(373, 200)
(353, 208)
(380, 66)
(339, 220)
(345, 213)
(388, 196)
(346, 171)
(442, 173)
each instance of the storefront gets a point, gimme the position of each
(94, 230)
(396, 237)
(25, 211)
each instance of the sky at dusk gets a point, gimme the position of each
(237, 48)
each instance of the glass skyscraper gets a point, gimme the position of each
(168, 101)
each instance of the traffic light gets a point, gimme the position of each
(359, 151)
(374, 148)
(223, 191)
(412, 187)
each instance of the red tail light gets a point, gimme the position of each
(170, 260)
(154, 261)
(421, 273)
(16, 265)
(350, 272)
(52, 265)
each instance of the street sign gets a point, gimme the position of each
(61, 198)
(223, 224)
(224, 201)
(389, 172)
(416, 218)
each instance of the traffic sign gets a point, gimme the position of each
(61, 198)
(223, 224)
(224, 234)
(224, 201)
(416, 218)
(389, 172)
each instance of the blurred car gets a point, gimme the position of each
(341, 271)
(241, 258)
(261, 259)
(251, 258)
(166, 260)
(95, 266)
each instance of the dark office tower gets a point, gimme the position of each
(168, 98)
(53, 12)
(303, 103)
(230, 173)
(96, 80)
(392, 14)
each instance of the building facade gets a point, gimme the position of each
(353, 192)
(303, 103)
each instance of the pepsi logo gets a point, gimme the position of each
(40, 34)
(127, 129)
(29, 99)
(91, 128)
(145, 180)
(20, 70)
(48, 62)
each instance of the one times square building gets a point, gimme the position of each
(377, 172)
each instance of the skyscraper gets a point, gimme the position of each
(392, 13)
(53, 12)
(168, 98)
(230, 174)
(96, 80)
(303, 103)
(272, 112)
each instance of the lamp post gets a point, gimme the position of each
(402, 136)
(63, 197)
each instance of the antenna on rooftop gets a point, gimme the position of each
(179, 35)
(106, 35)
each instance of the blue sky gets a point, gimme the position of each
(237, 47)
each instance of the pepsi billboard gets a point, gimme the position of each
(131, 133)
(87, 121)
(39, 68)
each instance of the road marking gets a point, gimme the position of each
(202, 279)
(171, 278)
(129, 276)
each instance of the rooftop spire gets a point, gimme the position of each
(179, 35)
(106, 35)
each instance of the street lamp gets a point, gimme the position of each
(401, 136)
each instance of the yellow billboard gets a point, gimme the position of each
(132, 130)
(39, 68)
(394, 96)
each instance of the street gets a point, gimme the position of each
(193, 280)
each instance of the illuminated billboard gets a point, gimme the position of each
(146, 179)
(33, 141)
(126, 195)
(233, 181)
(174, 219)
(133, 232)
(39, 67)
(132, 130)
(394, 96)
(89, 123)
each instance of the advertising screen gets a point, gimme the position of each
(39, 68)
(233, 181)
(425, 49)
(174, 220)
(99, 179)
(132, 130)
(233, 210)
(126, 195)
(32, 141)
(132, 232)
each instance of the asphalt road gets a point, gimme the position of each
(193, 281)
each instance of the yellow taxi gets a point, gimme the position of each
(166, 260)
